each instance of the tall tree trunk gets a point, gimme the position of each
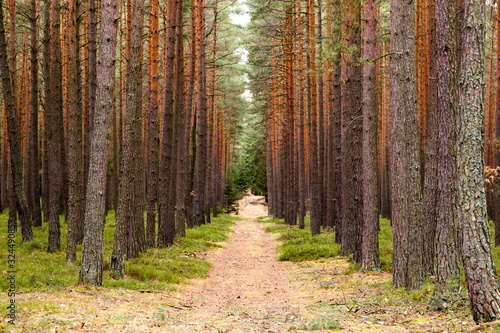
(91, 84)
(54, 126)
(496, 155)
(352, 126)
(32, 144)
(480, 274)
(447, 238)
(302, 114)
(76, 190)
(289, 130)
(312, 86)
(129, 233)
(153, 131)
(430, 172)
(184, 126)
(337, 118)
(200, 162)
(166, 218)
(95, 210)
(406, 194)
(14, 136)
(370, 252)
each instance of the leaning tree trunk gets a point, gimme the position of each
(95, 210)
(479, 268)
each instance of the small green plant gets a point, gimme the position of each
(161, 313)
(321, 324)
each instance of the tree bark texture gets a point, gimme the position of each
(352, 126)
(370, 252)
(95, 210)
(129, 233)
(480, 274)
(447, 237)
(406, 194)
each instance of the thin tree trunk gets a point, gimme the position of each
(200, 162)
(76, 190)
(184, 121)
(32, 145)
(316, 210)
(153, 123)
(370, 252)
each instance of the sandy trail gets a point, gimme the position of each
(247, 289)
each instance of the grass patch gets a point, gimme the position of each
(157, 269)
(299, 245)
(321, 324)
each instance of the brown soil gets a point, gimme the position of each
(247, 290)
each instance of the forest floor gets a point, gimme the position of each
(247, 290)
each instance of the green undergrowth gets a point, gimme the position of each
(157, 269)
(300, 245)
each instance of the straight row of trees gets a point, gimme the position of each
(377, 108)
(115, 105)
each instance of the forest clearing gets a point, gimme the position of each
(247, 290)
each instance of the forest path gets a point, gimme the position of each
(247, 289)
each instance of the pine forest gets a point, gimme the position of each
(250, 165)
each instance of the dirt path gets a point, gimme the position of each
(246, 290)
